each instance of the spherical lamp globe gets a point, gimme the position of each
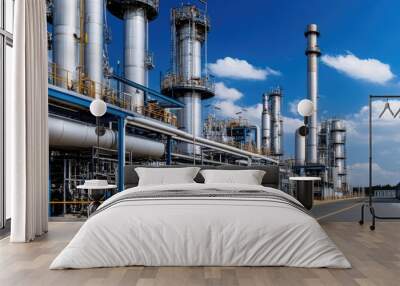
(98, 108)
(305, 107)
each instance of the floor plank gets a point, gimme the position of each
(375, 257)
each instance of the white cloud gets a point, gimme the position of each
(359, 175)
(384, 128)
(386, 141)
(239, 69)
(293, 107)
(227, 93)
(229, 109)
(371, 70)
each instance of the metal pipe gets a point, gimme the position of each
(176, 133)
(94, 26)
(135, 22)
(65, 51)
(312, 53)
(66, 133)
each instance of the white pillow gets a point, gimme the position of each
(166, 176)
(248, 177)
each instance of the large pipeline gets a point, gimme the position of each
(67, 133)
(186, 137)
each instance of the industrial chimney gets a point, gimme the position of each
(189, 28)
(312, 53)
(265, 127)
(137, 60)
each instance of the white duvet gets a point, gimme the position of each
(200, 231)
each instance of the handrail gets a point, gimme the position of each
(66, 79)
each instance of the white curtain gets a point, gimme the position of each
(26, 124)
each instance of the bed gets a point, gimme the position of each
(201, 224)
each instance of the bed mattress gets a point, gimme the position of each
(201, 225)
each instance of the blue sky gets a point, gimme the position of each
(360, 38)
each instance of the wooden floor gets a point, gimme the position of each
(375, 257)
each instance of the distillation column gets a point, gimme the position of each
(312, 53)
(338, 150)
(275, 103)
(266, 127)
(189, 27)
(137, 60)
(94, 30)
(65, 50)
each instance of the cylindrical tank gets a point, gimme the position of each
(135, 21)
(136, 15)
(300, 145)
(258, 138)
(340, 166)
(66, 133)
(94, 28)
(312, 52)
(189, 119)
(189, 52)
(266, 126)
(65, 50)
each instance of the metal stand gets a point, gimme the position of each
(369, 204)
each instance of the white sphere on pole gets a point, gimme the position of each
(98, 108)
(305, 107)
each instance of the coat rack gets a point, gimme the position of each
(370, 203)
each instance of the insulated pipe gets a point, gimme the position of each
(135, 21)
(162, 128)
(266, 126)
(312, 53)
(65, 51)
(66, 133)
(300, 145)
(94, 13)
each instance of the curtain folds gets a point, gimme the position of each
(26, 124)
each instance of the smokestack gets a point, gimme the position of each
(137, 61)
(265, 127)
(189, 27)
(312, 53)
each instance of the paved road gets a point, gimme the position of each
(350, 210)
